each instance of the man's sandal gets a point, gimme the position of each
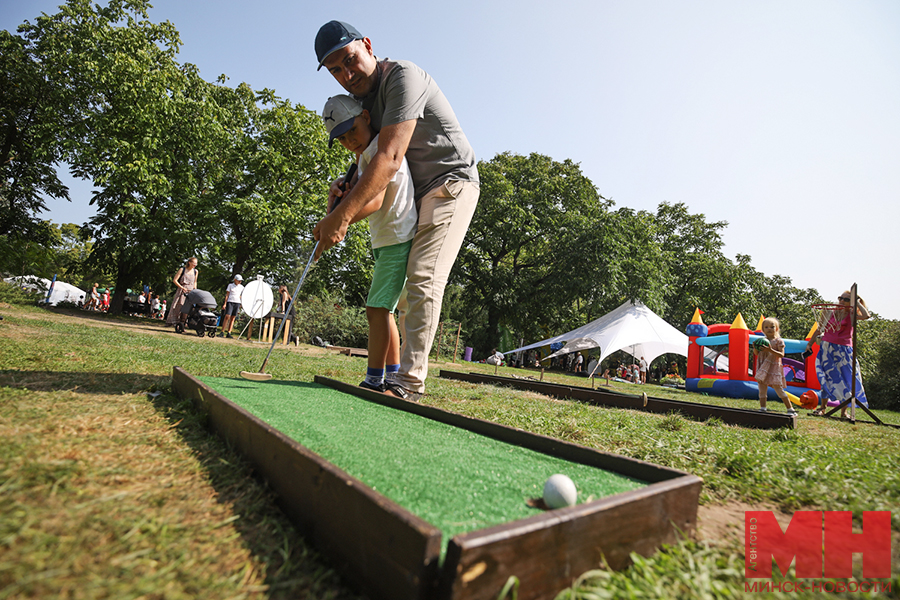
(401, 392)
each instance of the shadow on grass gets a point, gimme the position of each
(142, 323)
(80, 381)
(293, 569)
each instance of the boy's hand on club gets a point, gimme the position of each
(338, 189)
(335, 192)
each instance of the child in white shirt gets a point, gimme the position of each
(392, 222)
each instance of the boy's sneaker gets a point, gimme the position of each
(793, 413)
(763, 409)
(369, 386)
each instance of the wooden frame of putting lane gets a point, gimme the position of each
(743, 417)
(391, 553)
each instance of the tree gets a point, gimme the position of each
(62, 251)
(33, 111)
(777, 297)
(622, 262)
(181, 166)
(697, 272)
(700, 275)
(274, 186)
(145, 133)
(879, 349)
(521, 259)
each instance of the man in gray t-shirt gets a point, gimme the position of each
(414, 120)
(438, 149)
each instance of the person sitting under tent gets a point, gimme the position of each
(496, 358)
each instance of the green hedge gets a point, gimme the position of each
(331, 320)
(883, 383)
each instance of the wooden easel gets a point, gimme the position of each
(852, 399)
(269, 328)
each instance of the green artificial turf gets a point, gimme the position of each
(456, 480)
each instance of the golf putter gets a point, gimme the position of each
(261, 375)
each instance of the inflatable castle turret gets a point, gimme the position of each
(738, 350)
(695, 329)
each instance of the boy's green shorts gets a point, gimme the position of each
(389, 276)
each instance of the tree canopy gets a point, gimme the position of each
(546, 252)
(181, 166)
(33, 114)
(521, 253)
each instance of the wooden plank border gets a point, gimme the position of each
(376, 544)
(694, 410)
(547, 551)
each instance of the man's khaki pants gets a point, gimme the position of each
(444, 217)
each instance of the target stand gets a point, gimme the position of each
(256, 302)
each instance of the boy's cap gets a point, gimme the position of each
(332, 36)
(339, 114)
(238, 277)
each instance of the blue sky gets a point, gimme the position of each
(779, 117)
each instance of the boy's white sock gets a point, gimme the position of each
(390, 372)
(375, 376)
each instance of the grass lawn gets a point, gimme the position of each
(111, 487)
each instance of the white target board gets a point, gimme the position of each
(257, 299)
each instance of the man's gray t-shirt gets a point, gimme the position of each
(438, 150)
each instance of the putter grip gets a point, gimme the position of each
(347, 177)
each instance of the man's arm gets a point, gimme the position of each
(393, 141)
(372, 207)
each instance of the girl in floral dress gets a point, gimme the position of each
(769, 370)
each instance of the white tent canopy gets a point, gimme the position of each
(631, 327)
(62, 291)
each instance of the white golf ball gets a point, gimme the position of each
(559, 492)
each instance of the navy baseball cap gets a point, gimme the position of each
(332, 36)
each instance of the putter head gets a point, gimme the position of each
(252, 376)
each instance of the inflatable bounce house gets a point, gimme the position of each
(721, 363)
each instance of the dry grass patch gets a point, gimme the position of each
(117, 496)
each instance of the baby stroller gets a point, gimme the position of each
(199, 317)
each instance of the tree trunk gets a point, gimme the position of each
(118, 297)
(493, 327)
(125, 277)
